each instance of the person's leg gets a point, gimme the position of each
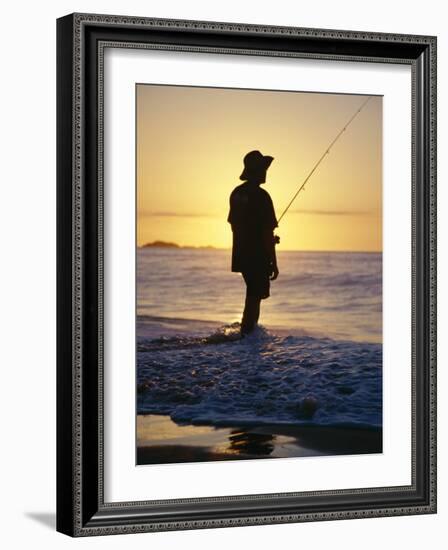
(251, 314)
(257, 310)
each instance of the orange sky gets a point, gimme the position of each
(190, 147)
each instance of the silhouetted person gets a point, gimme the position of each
(253, 221)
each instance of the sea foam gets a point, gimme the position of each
(264, 378)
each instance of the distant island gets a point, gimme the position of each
(165, 244)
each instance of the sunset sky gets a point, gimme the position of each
(190, 147)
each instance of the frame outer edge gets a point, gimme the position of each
(432, 268)
(255, 28)
(70, 509)
(78, 257)
(65, 367)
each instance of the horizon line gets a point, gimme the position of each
(211, 247)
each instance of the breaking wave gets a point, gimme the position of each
(222, 379)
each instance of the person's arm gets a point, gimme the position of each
(274, 268)
(270, 247)
(271, 221)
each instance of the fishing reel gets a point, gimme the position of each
(276, 239)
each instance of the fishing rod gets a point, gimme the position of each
(327, 151)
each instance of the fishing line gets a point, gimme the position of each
(327, 151)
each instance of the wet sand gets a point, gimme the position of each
(161, 441)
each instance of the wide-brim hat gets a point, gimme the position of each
(254, 163)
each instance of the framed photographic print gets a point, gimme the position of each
(246, 274)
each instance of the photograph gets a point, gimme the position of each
(258, 274)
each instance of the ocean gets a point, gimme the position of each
(315, 359)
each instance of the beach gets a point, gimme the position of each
(160, 440)
(307, 382)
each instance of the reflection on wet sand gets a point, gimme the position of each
(251, 443)
(162, 441)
